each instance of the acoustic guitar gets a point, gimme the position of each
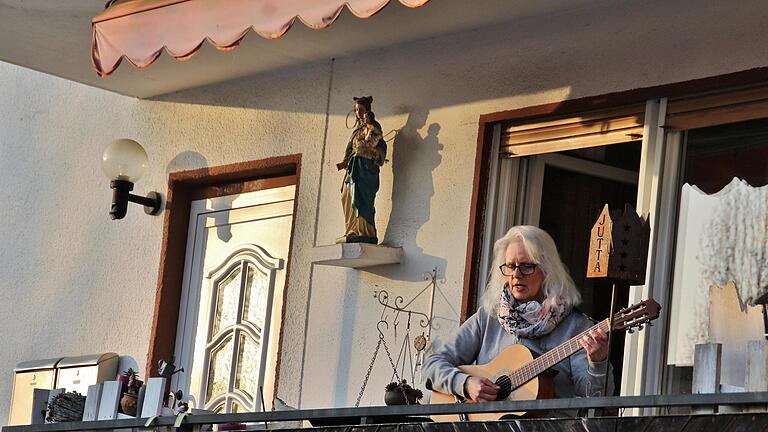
(520, 376)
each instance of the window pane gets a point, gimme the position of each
(721, 248)
(248, 360)
(236, 408)
(219, 369)
(227, 298)
(256, 286)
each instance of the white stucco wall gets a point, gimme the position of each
(75, 282)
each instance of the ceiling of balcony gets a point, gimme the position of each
(54, 37)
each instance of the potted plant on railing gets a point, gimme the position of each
(400, 393)
(130, 395)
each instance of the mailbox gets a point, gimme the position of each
(77, 373)
(28, 376)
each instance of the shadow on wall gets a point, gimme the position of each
(185, 161)
(349, 307)
(414, 157)
(127, 362)
(190, 160)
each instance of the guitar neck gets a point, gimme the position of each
(551, 358)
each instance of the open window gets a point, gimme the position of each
(557, 173)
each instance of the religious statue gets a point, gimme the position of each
(366, 152)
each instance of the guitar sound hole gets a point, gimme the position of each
(505, 387)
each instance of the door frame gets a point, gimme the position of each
(183, 188)
(205, 214)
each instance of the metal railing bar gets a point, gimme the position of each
(754, 398)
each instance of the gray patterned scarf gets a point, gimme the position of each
(529, 319)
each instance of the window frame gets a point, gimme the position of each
(660, 171)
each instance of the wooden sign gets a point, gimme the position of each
(618, 246)
(600, 245)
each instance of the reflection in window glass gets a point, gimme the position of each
(248, 359)
(219, 369)
(255, 306)
(721, 250)
(227, 298)
(234, 346)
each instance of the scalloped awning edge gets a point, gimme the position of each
(139, 30)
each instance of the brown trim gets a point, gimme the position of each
(476, 217)
(242, 187)
(279, 359)
(183, 188)
(566, 107)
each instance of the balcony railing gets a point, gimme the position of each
(384, 414)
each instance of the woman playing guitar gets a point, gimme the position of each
(529, 300)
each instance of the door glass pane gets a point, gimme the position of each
(248, 360)
(255, 306)
(227, 298)
(236, 408)
(721, 251)
(219, 369)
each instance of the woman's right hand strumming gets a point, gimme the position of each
(480, 389)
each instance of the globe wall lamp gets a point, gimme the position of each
(124, 162)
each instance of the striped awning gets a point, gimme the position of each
(138, 30)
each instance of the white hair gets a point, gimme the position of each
(543, 252)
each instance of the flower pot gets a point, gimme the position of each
(128, 404)
(400, 397)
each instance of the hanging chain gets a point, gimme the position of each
(392, 363)
(370, 367)
(368, 374)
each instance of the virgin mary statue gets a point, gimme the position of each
(365, 154)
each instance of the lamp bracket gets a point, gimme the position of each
(151, 202)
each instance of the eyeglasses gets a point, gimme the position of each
(525, 269)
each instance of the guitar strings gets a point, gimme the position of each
(530, 370)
